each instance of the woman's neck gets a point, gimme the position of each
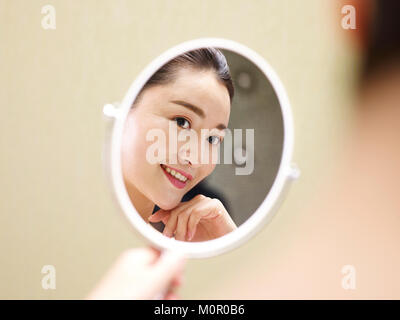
(141, 203)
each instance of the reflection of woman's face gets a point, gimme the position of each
(195, 100)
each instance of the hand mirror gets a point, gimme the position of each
(199, 151)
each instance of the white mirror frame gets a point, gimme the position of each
(112, 156)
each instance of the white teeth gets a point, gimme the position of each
(176, 174)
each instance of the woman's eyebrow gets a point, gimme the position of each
(196, 110)
(190, 106)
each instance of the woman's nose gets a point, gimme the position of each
(189, 155)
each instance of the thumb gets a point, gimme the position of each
(169, 265)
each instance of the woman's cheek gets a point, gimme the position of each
(153, 132)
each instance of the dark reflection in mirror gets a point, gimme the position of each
(255, 106)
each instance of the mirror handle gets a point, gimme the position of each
(294, 172)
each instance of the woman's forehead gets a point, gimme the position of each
(202, 89)
(190, 87)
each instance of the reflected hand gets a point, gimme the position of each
(199, 219)
(141, 274)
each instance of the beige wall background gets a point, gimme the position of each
(56, 207)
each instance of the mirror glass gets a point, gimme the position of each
(202, 141)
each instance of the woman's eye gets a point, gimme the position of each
(214, 140)
(182, 122)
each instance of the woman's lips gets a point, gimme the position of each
(183, 173)
(176, 177)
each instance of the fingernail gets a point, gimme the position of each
(189, 236)
(166, 233)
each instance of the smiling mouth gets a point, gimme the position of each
(178, 180)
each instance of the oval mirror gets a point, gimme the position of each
(199, 151)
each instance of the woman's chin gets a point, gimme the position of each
(168, 204)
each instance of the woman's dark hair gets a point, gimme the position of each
(383, 43)
(200, 59)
